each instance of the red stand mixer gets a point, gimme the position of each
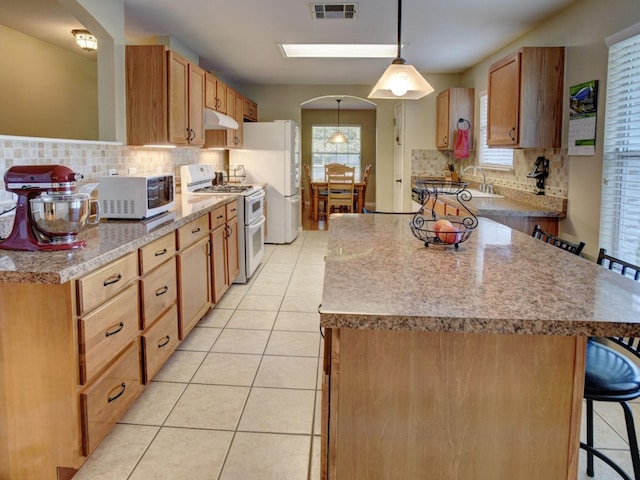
(49, 214)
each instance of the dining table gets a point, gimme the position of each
(322, 185)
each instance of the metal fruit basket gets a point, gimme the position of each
(424, 223)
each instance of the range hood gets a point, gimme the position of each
(218, 121)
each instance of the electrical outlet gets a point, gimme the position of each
(112, 172)
(131, 170)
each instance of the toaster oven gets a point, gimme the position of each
(136, 197)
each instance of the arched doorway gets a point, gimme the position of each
(354, 111)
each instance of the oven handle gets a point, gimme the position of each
(258, 195)
(257, 223)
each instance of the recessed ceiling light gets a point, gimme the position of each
(319, 50)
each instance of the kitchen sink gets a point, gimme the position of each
(478, 194)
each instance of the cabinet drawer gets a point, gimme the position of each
(103, 333)
(158, 291)
(106, 400)
(232, 209)
(160, 342)
(193, 231)
(218, 217)
(98, 286)
(156, 252)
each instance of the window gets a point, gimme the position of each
(500, 158)
(323, 152)
(620, 205)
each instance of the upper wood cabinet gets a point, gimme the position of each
(453, 105)
(525, 99)
(229, 138)
(165, 97)
(250, 110)
(215, 94)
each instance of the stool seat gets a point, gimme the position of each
(610, 376)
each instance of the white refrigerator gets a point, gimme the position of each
(271, 155)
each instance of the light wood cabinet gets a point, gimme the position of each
(250, 110)
(158, 304)
(225, 262)
(215, 94)
(525, 99)
(453, 105)
(194, 274)
(165, 97)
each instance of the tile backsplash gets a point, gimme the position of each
(96, 159)
(431, 163)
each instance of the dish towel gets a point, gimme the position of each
(461, 147)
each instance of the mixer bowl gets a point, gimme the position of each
(61, 217)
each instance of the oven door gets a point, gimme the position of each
(254, 206)
(253, 245)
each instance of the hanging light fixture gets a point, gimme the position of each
(85, 40)
(399, 79)
(338, 136)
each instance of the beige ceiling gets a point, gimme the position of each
(240, 37)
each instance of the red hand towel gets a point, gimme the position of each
(461, 147)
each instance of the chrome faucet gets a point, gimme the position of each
(484, 187)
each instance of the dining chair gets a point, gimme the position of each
(340, 187)
(365, 180)
(338, 168)
(612, 375)
(575, 248)
(322, 194)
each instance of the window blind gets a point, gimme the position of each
(501, 158)
(620, 205)
(323, 152)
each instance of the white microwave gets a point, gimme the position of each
(136, 197)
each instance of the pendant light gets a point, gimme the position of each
(85, 40)
(401, 80)
(338, 136)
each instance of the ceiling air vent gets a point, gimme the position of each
(322, 11)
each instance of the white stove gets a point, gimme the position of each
(197, 179)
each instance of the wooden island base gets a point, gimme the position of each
(438, 405)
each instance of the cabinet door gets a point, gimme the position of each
(233, 260)
(178, 98)
(231, 111)
(504, 102)
(219, 263)
(194, 285)
(442, 120)
(221, 96)
(196, 105)
(239, 116)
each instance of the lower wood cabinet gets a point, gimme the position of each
(225, 261)
(159, 342)
(106, 399)
(194, 284)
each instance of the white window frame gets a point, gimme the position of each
(490, 158)
(619, 230)
(323, 152)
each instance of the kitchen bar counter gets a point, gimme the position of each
(463, 363)
(109, 240)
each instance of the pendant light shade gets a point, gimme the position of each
(85, 40)
(401, 80)
(338, 136)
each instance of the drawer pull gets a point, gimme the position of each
(195, 230)
(123, 387)
(164, 341)
(219, 217)
(113, 332)
(162, 291)
(159, 253)
(111, 280)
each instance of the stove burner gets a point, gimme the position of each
(223, 189)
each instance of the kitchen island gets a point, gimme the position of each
(468, 363)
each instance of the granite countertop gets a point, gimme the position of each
(106, 242)
(379, 276)
(512, 203)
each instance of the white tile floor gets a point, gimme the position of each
(240, 398)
